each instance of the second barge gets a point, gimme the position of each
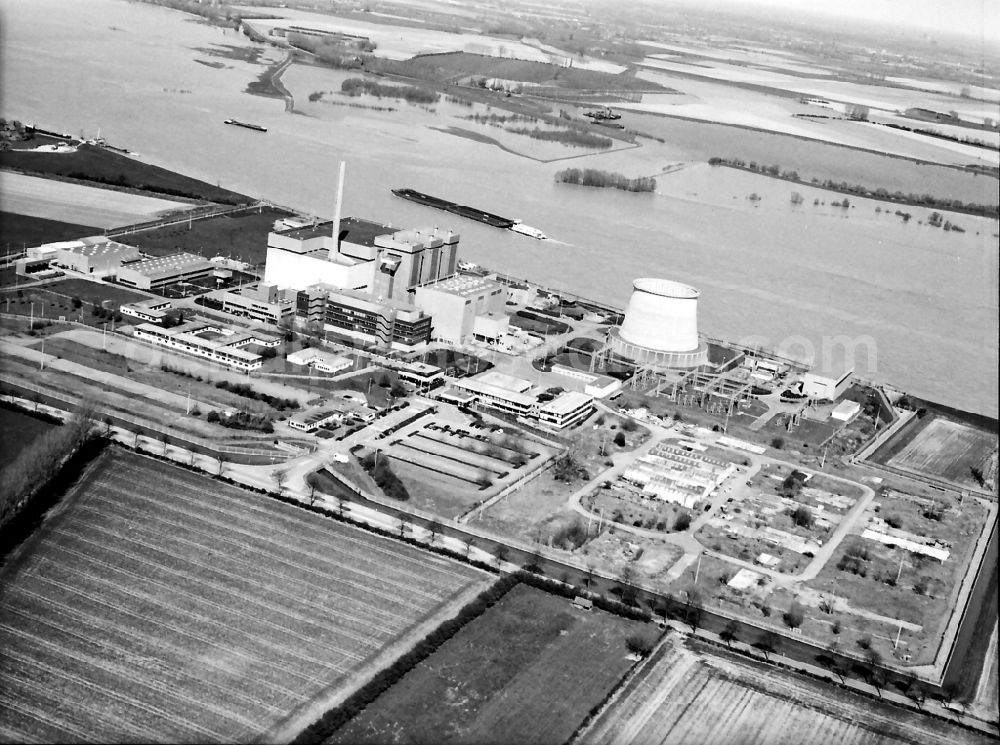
(459, 209)
(237, 123)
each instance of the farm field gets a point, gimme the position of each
(189, 611)
(696, 694)
(946, 450)
(78, 203)
(20, 231)
(527, 671)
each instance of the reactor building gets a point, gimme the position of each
(660, 328)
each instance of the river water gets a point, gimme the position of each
(917, 305)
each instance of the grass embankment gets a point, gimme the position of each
(19, 231)
(19, 428)
(101, 166)
(880, 193)
(605, 179)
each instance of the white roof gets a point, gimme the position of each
(501, 380)
(566, 403)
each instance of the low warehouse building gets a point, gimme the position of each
(153, 274)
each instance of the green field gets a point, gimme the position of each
(20, 231)
(242, 235)
(96, 164)
(17, 431)
(94, 293)
(160, 605)
(527, 671)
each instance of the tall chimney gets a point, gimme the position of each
(336, 214)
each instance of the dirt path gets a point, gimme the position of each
(288, 728)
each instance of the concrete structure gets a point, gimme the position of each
(357, 314)
(149, 311)
(512, 395)
(364, 255)
(334, 411)
(217, 343)
(153, 274)
(464, 306)
(596, 385)
(35, 268)
(565, 410)
(829, 384)
(846, 411)
(262, 302)
(660, 326)
(421, 374)
(97, 256)
(320, 360)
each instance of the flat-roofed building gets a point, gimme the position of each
(464, 306)
(496, 396)
(320, 360)
(155, 273)
(828, 384)
(385, 322)
(565, 410)
(149, 311)
(213, 341)
(97, 256)
(421, 374)
(263, 302)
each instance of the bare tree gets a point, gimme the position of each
(312, 494)
(767, 643)
(470, 542)
(164, 438)
(404, 526)
(280, 476)
(730, 632)
(434, 528)
(500, 554)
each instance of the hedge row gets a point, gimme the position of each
(337, 717)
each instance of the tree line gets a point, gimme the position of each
(605, 179)
(921, 200)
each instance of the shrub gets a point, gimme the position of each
(803, 517)
(620, 439)
(778, 442)
(682, 521)
(794, 616)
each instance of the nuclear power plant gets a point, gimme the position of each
(661, 326)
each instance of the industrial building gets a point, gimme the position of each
(334, 412)
(363, 255)
(512, 395)
(464, 307)
(660, 328)
(357, 314)
(97, 256)
(263, 302)
(155, 273)
(595, 385)
(828, 385)
(320, 360)
(149, 311)
(213, 341)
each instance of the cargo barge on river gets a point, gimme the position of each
(237, 123)
(459, 209)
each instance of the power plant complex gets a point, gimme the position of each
(661, 326)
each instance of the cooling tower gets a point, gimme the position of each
(661, 325)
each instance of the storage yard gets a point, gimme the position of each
(192, 611)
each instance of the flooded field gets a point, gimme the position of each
(790, 277)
